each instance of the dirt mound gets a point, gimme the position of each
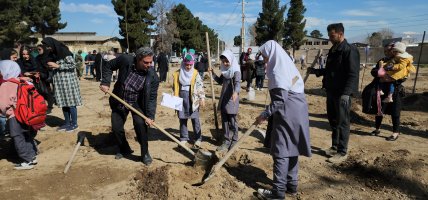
(152, 183)
(416, 102)
(388, 172)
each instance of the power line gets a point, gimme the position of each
(230, 16)
(376, 28)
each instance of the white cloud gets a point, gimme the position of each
(359, 13)
(102, 9)
(219, 20)
(411, 33)
(314, 22)
(97, 21)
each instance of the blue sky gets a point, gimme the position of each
(360, 17)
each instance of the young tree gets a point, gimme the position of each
(316, 34)
(270, 23)
(15, 27)
(134, 22)
(44, 16)
(294, 32)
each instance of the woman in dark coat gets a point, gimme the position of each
(67, 89)
(290, 120)
(46, 73)
(391, 108)
(162, 66)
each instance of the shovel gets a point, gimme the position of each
(80, 138)
(220, 163)
(202, 156)
(312, 66)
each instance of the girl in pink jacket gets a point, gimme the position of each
(22, 135)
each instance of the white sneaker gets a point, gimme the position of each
(24, 166)
(183, 143)
(198, 144)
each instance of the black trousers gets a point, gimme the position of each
(118, 119)
(338, 114)
(395, 123)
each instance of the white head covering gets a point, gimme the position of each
(228, 73)
(9, 69)
(281, 71)
(186, 76)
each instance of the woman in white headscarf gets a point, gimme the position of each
(290, 121)
(189, 86)
(229, 98)
(23, 136)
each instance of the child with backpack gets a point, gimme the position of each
(189, 85)
(22, 134)
(229, 98)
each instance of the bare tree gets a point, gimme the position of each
(375, 39)
(386, 33)
(252, 34)
(165, 29)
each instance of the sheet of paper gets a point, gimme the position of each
(171, 101)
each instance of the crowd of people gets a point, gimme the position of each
(55, 73)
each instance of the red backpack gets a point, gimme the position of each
(31, 107)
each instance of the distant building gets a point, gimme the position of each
(86, 41)
(316, 43)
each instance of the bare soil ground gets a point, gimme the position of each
(376, 168)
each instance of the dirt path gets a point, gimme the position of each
(376, 169)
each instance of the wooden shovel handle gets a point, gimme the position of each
(234, 148)
(154, 124)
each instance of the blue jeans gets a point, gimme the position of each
(2, 125)
(70, 115)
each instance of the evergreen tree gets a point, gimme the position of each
(44, 16)
(269, 25)
(135, 25)
(294, 26)
(191, 30)
(316, 34)
(15, 27)
(186, 27)
(237, 40)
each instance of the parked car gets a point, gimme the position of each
(175, 59)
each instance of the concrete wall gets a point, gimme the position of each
(374, 54)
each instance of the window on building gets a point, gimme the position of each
(324, 43)
(309, 43)
(317, 43)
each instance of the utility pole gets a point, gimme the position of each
(243, 29)
(126, 25)
(218, 50)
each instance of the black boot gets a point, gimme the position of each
(147, 159)
(145, 155)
